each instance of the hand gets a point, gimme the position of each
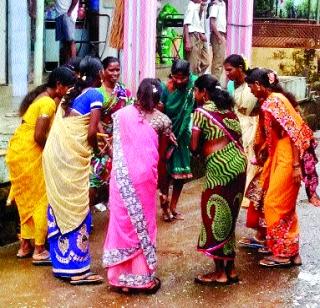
(203, 37)
(297, 175)
(221, 39)
(187, 47)
(173, 139)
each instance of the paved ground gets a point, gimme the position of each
(23, 285)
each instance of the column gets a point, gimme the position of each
(239, 34)
(139, 53)
(18, 46)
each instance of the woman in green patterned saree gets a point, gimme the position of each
(217, 127)
(178, 101)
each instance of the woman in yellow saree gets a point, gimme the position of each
(284, 147)
(24, 160)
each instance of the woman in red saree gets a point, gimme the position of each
(284, 147)
(140, 135)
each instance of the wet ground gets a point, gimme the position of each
(24, 285)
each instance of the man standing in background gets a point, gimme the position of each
(67, 13)
(195, 46)
(217, 14)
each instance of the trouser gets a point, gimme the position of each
(198, 57)
(218, 56)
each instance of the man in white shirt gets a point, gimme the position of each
(67, 13)
(218, 28)
(195, 46)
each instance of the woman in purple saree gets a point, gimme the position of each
(140, 139)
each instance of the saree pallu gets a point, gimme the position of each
(220, 202)
(129, 249)
(66, 162)
(273, 189)
(24, 161)
(178, 106)
(69, 252)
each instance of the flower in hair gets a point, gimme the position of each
(246, 64)
(218, 87)
(84, 77)
(154, 89)
(272, 77)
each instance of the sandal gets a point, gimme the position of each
(271, 262)
(167, 217)
(88, 278)
(24, 254)
(41, 259)
(265, 251)
(214, 283)
(148, 291)
(251, 242)
(177, 216)
(233, 280)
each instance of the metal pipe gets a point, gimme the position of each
(38, 46)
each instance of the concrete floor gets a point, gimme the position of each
(24, 285)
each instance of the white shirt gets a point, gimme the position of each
(192, 18)
(62, 7)
(219, 12)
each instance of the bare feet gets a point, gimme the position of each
(213, 277)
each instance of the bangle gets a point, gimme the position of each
(296, 165)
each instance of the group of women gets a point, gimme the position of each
(251, 138)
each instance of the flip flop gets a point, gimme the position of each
(269, 262)
(42, 259)
(148, 291)
(24, 255)
(167, 217)
(177, 216)
(88, 278)
(233, 280)
(213, 283)
(251, 242)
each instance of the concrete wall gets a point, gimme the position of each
(180, 5)
(3, 41)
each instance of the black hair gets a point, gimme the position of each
(222, 99)
(108, 60)
(149, 93)
(89, 68)
(262, 76)
(236, 61)
(62, 74)
(74, 64)
(180, 66)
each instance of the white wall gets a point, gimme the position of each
(180, 5)
(3, 42)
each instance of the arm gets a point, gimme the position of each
(195, 139)
(41, 131)
(297, 175)
(95, 115)
(72, 6)
(214, 31)
(187, 41)
(162, 165)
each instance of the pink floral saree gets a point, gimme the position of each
(129, 249)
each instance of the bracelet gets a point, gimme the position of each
(296, 165)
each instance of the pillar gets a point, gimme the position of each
(239, 33)
(139, 52)
(38, 46)
(18, 46)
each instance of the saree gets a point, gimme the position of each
(24, 161)
(129, 249)
(273, 189)
(224, 182)
(245, 102)
(66, 164)
(178, 106)
(101, 165)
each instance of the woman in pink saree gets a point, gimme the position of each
(140, 139)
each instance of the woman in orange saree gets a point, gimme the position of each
(284, 147)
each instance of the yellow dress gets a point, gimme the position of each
(24, 161)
